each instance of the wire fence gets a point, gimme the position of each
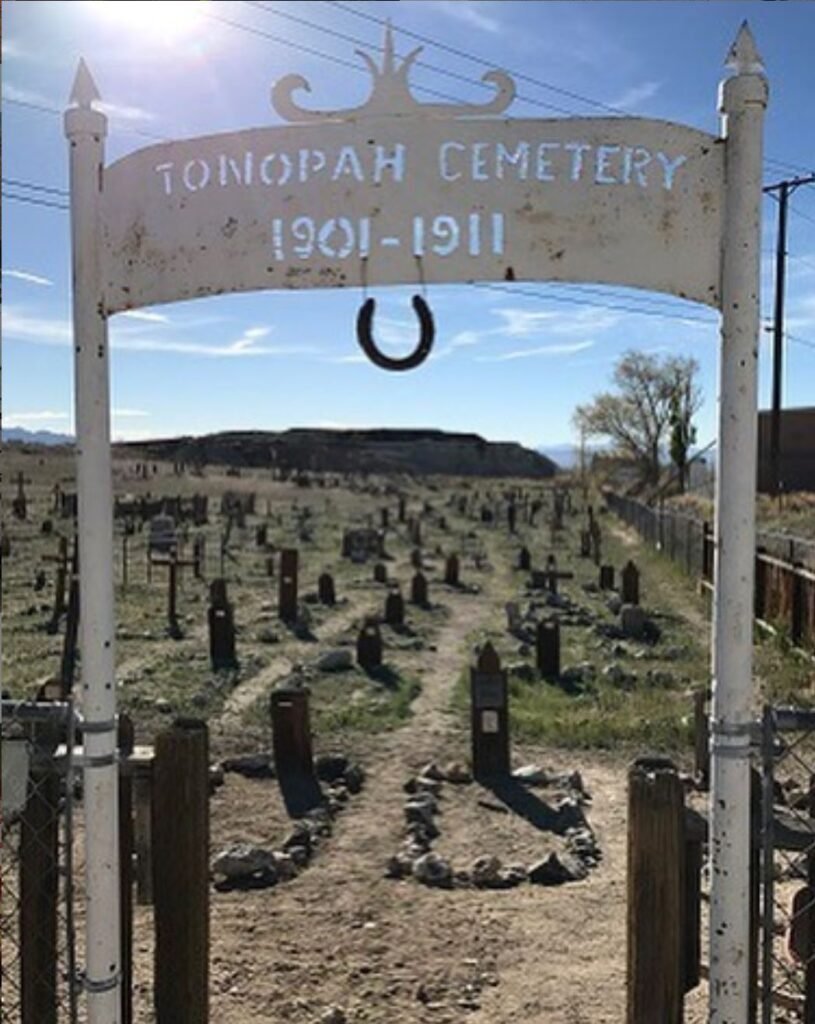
(37, 933)
(784, 571)
(788, 865)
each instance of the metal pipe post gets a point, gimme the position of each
(85, 129)
(743, 103)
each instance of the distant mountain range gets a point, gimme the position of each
(35, 436)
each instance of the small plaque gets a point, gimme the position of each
(489, 721)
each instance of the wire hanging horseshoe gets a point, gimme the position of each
(427, 329)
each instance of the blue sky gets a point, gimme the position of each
(515, 360)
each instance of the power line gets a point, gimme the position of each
(419, 63)
(119, 128)
(34, 187)
(531, 293)
(801, 214)
(800, 341)
(34, 201)
(477, 60)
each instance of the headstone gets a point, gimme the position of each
(606, 577)
(291, 733)
(451, 571)
(287, 589)
(369, 646)
(325, 589)
(380, 573)
(418, 590)
(261, 534)
(524, 560)
(416, 558)
(394, 609)
(19, 504)
(630, 583)
(514, 620)
(362, 543)
(489, 711)
(547, 648)
(487, 515)
(512, 515)
(221, 628)
(163, 539)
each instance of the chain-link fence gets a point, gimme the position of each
(788, 865)
(37, 947)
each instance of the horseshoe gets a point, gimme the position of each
(417, 356)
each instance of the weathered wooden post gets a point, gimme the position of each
(418, 590)
(524, 560)
(547, 648)
(380, 573)
(291, 733)
(325, 589)
(369, 645)
(451, 571)
(656, 893)
(630, 579)
(394, 609)
(39, 894)
(606, 577)
(221, 623)
(287, 608)
(181, 873)
(489, 716)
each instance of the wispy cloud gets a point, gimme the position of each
(126, 413)
(24, 275)
(20, 326)
(542, 351)
(636, 94)
(471, 14)
(13, 419)
(117, 111)
(146, 316)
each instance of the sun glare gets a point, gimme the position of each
(167, 19)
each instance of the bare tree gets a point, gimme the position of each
(637, 414)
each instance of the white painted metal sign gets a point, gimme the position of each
(450, 196)
(395, 192)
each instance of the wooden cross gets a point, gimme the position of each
(61, 560)
(552, 574)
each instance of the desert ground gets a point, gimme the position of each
(347, 935)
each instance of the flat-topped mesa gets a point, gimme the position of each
(377, 451)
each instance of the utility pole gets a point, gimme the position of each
(784, 190)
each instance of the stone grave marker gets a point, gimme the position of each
(606, 577)
(380, 573)
(416, 558)
(394, 609)
(325, 589)
(524, 559)
(512, 515)
(261, 535)
(287, 588)
(418, 590)
(221, 628)
(451, 571)
(547, 648)
(514, 620)
(630, 583)
(489, 710)
(369, 645)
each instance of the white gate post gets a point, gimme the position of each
(743, 101)
(85, 130)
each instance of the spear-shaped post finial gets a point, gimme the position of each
(84, 92)
(743, 56)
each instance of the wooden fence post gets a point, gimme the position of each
(656, 893)
(181, 873)
(39, 893)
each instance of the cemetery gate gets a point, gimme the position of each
(398, 192)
